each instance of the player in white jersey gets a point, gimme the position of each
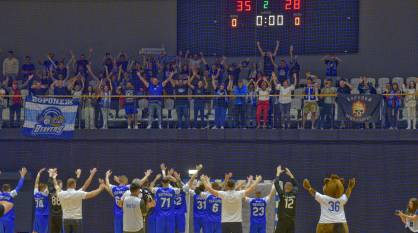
(410, 216)
(332, 208)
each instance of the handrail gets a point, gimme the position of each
(192, 96)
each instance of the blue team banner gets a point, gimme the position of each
(49, 117)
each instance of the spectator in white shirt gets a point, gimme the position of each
(285, 100)
(11, 66)
(133, 221)
(231, 203)
(72, 203)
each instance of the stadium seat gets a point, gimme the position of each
(382, 82)
(372, 81)
(295, 106)
(398, 80)
(409, 79)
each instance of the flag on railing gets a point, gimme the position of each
(49, 117)
(360, 108)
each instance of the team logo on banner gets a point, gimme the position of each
(51, 121)
(49, 117)
(360, 108)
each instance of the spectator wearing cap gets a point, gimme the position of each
(11, 66)
(240, 92)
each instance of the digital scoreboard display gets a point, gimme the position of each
(233, 27)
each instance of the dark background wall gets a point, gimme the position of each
(388, 31)
(384, 163)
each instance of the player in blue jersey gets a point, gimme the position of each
(7, 222)
(199, 203)
(5, 207)
(180, 206)
(214, 211)
(258, 207)
(40, 195)
(164, 208)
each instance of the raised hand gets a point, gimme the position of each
(93, 171)
(23, 171)
(108, 173)
(279, 170)
(307, 184)
(78, 173)
(199, 167)
(163, 167)
(148, 172)
(352, 182)
(258, 178)
(40, 171)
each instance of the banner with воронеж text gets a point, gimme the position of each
(49, 117)
(360, 108)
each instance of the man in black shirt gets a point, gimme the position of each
(55, 222)
(287, 204)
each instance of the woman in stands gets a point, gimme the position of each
(393, 105)
(263, 90)
(411, 103)
(410, 216)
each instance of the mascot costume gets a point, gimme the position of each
(332, 203)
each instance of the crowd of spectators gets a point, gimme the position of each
(219, 94)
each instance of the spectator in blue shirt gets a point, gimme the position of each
(394, 103)
(239, 91)
(181, 88)
(200, 88)
(268, 58)
(28, 67)
(155, 88)
(331, 63)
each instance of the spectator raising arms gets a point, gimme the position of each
(268, 58)
(263, 90)
(285, 100)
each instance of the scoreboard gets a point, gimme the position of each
(232, 27)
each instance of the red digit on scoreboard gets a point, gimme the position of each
(248, 6)
(288, 5)
(240, 6)
(296, 4)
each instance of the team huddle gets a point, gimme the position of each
(155, 206)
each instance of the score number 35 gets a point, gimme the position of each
(244, 6)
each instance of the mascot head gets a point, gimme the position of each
(333, 186)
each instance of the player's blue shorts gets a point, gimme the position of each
(199, 223)
(151, 224)
(130, 108)
(214, 227)
(257, 227)
(180, 222)
(165, 224)
(7, 226)
(40, 224)
(118, 224)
